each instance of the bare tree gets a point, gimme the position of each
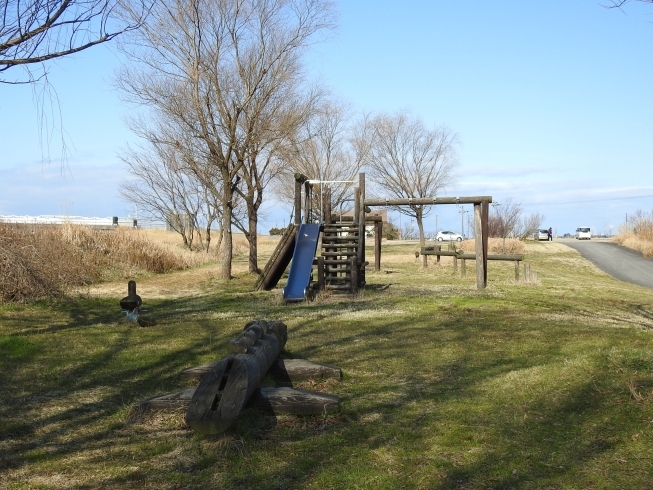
(507, 220)
(528, 224)
(35, 31)
(226, 74)
(408, 160)
(165, 192)
(329, 146)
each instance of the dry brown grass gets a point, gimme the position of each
(638, 235)
(497, 246)
(47, 261)
(635, 242)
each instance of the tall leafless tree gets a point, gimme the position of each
(408, 160)
(35, 31)
(227, 74)
(329, 146)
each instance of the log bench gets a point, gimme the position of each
(458, 254)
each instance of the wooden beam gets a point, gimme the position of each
(428, 200)
(278, 401)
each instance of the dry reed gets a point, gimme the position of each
(638, 234)
(46, 261)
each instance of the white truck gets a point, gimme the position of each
(583, 233)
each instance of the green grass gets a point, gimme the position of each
(520, 386)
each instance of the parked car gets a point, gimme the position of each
(583, 233)
(541, 235)
(448, 236)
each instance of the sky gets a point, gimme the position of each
(551, 101)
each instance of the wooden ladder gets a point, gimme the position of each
(339, 252)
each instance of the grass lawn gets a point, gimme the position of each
(544, 385)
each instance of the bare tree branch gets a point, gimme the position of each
(408, 160)
(224, 79)
(35, 31)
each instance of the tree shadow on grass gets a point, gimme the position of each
(416, 410)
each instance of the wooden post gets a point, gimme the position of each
(320, 274)
(299, 180)
(516, 270)
(455, 264)
(357, 204)
(378, 236)
(327, 206)
(307, 201)
(354, 275)
(463, 268)
(485, 207)
(361, 227)
(481, 259)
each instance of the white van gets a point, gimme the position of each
(583, 233)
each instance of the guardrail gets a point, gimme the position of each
(82, 220)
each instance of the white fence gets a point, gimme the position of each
(81, 220)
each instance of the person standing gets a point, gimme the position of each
(550, 237)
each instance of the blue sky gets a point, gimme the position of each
(551, 101)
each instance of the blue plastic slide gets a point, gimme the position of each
(302, 262)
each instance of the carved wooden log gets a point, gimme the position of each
(225, 390)
(288, 370)
(278, 401)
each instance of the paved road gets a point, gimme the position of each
(620, 262)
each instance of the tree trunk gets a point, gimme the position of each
(227, 242)
(252, 238)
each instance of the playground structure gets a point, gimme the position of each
(340, 265)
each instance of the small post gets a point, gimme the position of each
(455, 264)
(478, 241)
(307, 201)
(299, 180)
(320, 273)
(438, 248)
(361, 226)
(463, 268)
(327, 205)
(354, 275)
(378, 236)
(516, 270)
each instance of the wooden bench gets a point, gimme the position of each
(459, 254)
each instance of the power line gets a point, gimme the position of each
(588, 200)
